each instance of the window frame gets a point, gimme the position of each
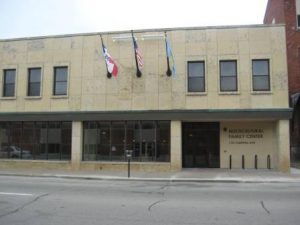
(28, 82)
(204, 78)
(268, 75)
(55, 81)
(4, 84)
(236, 75)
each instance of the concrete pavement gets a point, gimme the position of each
(56, 201)
(186, 175)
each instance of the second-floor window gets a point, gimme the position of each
(60, 80)
(196, 76)
(260, 75)
(34, 82)
(9, 80)
(228, 75)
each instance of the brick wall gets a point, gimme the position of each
(274, 10)
(293, 45)
(284, 11)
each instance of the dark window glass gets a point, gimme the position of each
(148, 150)
(66, 140)
(54, 140)
(298, 20)
(117, 140)
(41, 133)
(15, 140)
(91, 140)
(228, 75)
(196, 77)
(60, 80)
(9, 83)
(4, 140)
(34, 82)
(28, 144)
(149, 140)
(133, 140)
(103, 138)
(260, 75)
(163, 141)
(35, 140)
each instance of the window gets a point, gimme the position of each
(34, 82)
(196, 78)
(36, 140)
(60, 80)
(108, 140)
(260, 75)
(228, 75)
(9, 83)
(117, 140)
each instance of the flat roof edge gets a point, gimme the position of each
(144, 31)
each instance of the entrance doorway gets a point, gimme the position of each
(201, 145)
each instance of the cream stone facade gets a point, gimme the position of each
(91, 96)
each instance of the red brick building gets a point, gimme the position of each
(288, 12)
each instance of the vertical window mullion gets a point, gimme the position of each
(110, 140)
(60, 142)
(141, 139)
(47, 141)
(125, 139)
(155, 141)
(22, 141)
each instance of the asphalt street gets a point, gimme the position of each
(51, 201)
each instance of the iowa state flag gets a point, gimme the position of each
(110, 63)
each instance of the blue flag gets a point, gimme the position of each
(170, 57)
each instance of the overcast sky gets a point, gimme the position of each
(26, 18)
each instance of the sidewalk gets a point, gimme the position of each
(186, 175)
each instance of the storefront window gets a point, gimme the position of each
(28, 140)
(133, 140)
(91, 141)
(163, 141)
(54, 140)
(41, 140)
(104, 141)
(117, 141)
(35, 140)
(4, 140)
(66, 140)
(149, 140)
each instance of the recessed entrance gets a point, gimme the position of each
(201, 145)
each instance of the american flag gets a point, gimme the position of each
(138, 54)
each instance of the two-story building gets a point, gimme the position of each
(226, 107)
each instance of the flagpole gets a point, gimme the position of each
(108, 73)
(138, 72)
(169, 72)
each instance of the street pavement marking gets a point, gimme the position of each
(16, 194)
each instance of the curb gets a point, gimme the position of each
(171, 180)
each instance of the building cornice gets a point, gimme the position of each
(144, 31)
